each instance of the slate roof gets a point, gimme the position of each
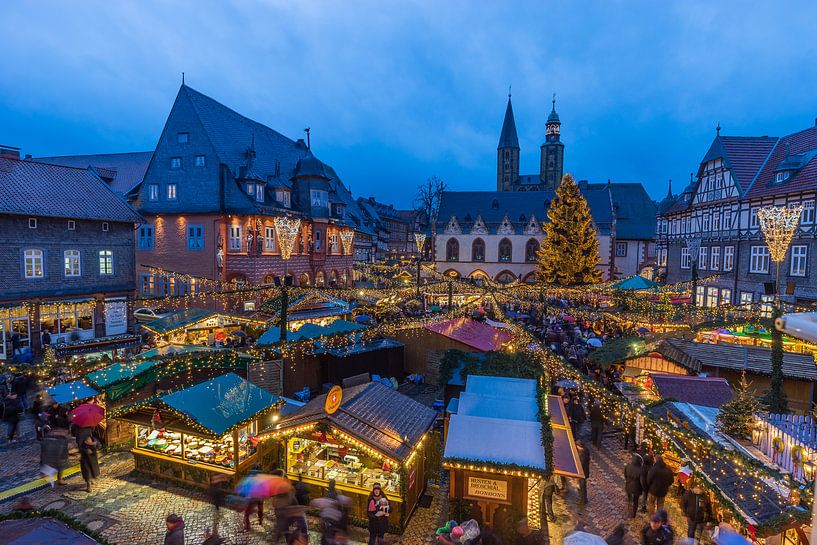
(122, 171)
(805, 179)
(30, 188)
(693, 355)
(508, 137)
(705, 391)
(373, 413)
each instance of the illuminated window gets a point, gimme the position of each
(33, 263)
(759, 262)
(71, 259)
(106, 262)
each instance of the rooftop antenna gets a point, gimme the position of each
(509, 91)
(308, 143)
(182, 78)
(718, 129)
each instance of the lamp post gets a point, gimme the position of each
(286, 230)
(694, 245)
(420, 239)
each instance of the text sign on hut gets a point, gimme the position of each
(487, 488)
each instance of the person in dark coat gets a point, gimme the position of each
(632, 483)
(301, 491)
(54, 451)
(377, 510)
(88, 459)
(577, 416)
(656, 532)
(526, 536)
(629, 435)
(584, 459)
(647, 461)
(550, 487)
(596, 423)
(11, 415)
(218, 494)
(175, 530)
(20, 387)
(659, 480)
(697, 509)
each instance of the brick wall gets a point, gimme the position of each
(170, 244)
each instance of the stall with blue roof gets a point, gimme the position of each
(206, 429)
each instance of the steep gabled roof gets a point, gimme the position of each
(30, 188)
(635, 211)
(124, 170)
(743, 155)
(801, 142)
(508, 137)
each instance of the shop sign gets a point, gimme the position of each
(333, 399)
(491, 489)
(116, 317)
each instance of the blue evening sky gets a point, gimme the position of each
(396, 92)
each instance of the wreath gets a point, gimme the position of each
(777, 444)
(798, 454)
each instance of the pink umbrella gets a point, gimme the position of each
(87, 415)
(259, 486)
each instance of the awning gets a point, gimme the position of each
(98, 344)
(565, 455)
(186, 319)
(635, 283)
(71, 391)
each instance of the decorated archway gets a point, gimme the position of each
(530, 278)
(303, 279)
(452, 273)
(320, 279)
(268, 279)
(333, 277)
(479, 275)
(505, 277)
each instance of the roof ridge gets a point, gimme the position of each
(89, 155)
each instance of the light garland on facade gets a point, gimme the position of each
(779, 224)
(286, 230)
(347, 239)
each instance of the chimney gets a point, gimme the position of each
(9, 152)
(300, 143)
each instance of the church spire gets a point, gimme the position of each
(669, 189)
(508, 137)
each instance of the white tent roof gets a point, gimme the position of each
(512, 408)
(501, 386)
(495, 440)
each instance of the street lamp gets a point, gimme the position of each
(779, 224)
(420, 239)
(694, 245)
(286, 230)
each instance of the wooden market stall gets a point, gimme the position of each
(494, 451)
(207, 429)
(198, 326)
(310, 307)
(358, 436)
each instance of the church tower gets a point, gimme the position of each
(551, 165)
(507, 153)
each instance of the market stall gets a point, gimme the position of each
(494, 450)
(209, 428)
(359, 436)
(311, 307)
(198, 326)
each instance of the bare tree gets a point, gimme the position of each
(427, 201)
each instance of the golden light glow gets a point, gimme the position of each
(420, 239)
(779, 224)
(286, 230)
(347, 237)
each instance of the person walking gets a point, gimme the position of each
(596, 423)
(584, 459)
(218, 494)
(54, 452)
(88, 459)
(659, 480)
(19, 385)
(632, 483)
(577, 416)
(301, 491)
(550, 487)
(11, 415)
(174, 535)
(656, 532)
(647, 461)
(629, 435)
(697, 509)
(526, 536)
(377, 510)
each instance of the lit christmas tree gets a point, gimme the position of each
(736, 416)
(570, 253)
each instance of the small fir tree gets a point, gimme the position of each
(570, 252)
(735, 417)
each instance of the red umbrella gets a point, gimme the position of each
(87, 415)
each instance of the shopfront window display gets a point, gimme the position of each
(331, 459)
(199, 450)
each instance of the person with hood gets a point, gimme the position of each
(696, 507)
(377, 510)
(54, 451)
(632, 483)
(596, 423)
(584, 459)
(647, 461)
(577, 416)
(659, 480)
(88, 459)
(175, 530)
(656, 532)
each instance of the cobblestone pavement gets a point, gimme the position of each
(606, 507)
(425, 521)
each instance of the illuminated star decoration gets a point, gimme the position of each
(286, 229)
(347, 237)
(779, 223)
(420, 239)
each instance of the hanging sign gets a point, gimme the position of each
(333, 399)
(491, 489)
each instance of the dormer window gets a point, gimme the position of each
(495, 204)
(259, 193)
(282, 196)
(319, 198)
(781, 177)
(251, 189)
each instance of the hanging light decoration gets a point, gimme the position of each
(779, 224)
(347, 237)
(286, 230)
(420, 239)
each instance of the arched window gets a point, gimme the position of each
(505, 277)
(303, 280)
(319, 278)
(452, 250)
(333, 277)
(505, 250)
(531, 249)
(478, 250)
(269, 279)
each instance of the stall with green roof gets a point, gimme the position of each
(210, 428)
